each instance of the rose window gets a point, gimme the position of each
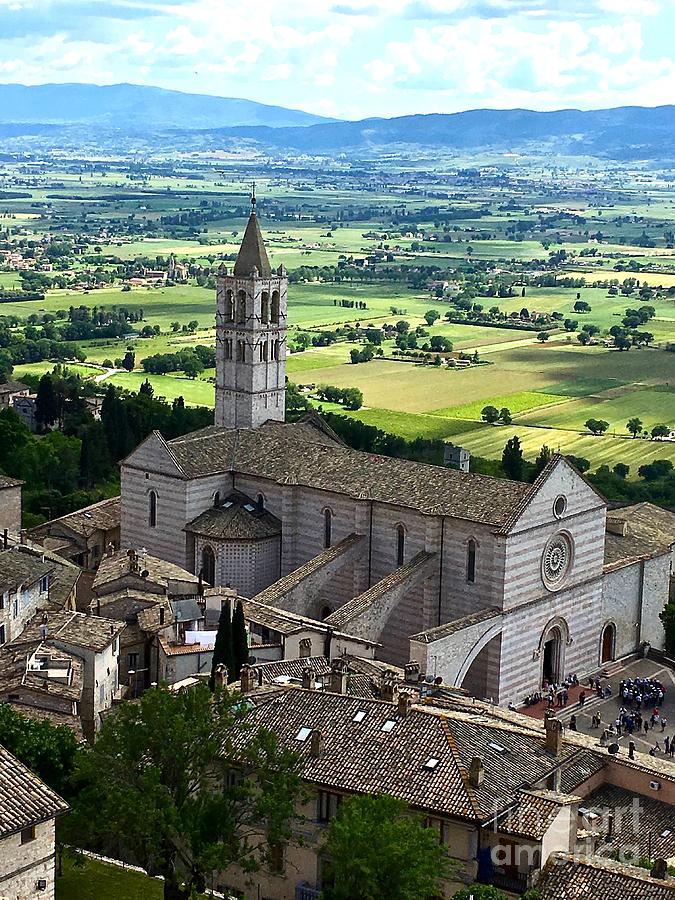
(557, 560)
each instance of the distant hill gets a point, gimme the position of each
(138, 108)
(623, 132)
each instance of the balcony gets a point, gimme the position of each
(305, 891)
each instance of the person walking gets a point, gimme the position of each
(573, 723)
(582, 698)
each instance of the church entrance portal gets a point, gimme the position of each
(608, 640)
(552, 670)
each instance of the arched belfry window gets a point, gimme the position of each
(471, 561)
(241, 307)
(216, 499)
(265, 308)
(275, 307)
(209, 565)
(327, 528)
(152, 509)
(400, 545)
(229, 306)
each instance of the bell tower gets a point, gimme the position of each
(251, 304)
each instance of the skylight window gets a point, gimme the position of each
(431, 763)
(360, 716)
(388, 725)
(303, 734)
(227, 504)
(496, 747)
(249, 507)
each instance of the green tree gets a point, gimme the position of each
(660, 431)
(634, 426)
(490, 414)
(240, 651)
(505, 416)
(480, 892)
(512, 459)
(581, 307)
(430, 316)
(542, 460)
(380, 851)
(129, 361)
(95, 462)
(49, 750)
(667, 616)
(193, 366)
(179, 783)
(352, 398)
(223, 649)
(621, 470)
(543, 336)
(46, 402)
(146, 389)
(596, 426)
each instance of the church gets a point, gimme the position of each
(493, 585)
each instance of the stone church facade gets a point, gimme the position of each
(492, 584)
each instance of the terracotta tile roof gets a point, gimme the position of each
(291, 668)
(236, 519)
(441, 631)
(7, 482)
(533, 814)
(304, 454)
(655, 819)
(160, 572)
(649, 531)
(565, 877)
(104, 516)
(183, 649)
(285, 622)
(75, 628)
(17, 567)
(149, 618)
(358, 605)
(24, 799)
(281, 587)
(585, 765)
(15, 674)
(13, 387)
(377, 760)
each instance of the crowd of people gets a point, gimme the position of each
(641, 693)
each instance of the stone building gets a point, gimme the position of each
(10, 506)
(28, 813)
(24, 588)
(502, 584)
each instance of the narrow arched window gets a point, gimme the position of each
(209, 565)
(400, 545)
(305, 648)
(275, 307)
(471, 562)
(216, 499)
(241, 307)
(327, 528)
(229, 304)
(152, 509)
(265, 308)
(276, 350)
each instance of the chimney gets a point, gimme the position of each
(476, 772)
(404, 702)
(248, 679)
(616, 526)
(161, 615)
(338, 677)
(221, 676)
(316, 744)
(412, 672)
(389, 687)
(554, 734)
(308, 680)
(110, 549)
(660, 869)
(23, 536)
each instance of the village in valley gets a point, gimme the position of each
(337, 498)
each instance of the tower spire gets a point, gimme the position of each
(253, 200)
(252, 253)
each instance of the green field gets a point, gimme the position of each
(94, 880)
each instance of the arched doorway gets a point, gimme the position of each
(552, 670)
(209, 565)
(608, 643)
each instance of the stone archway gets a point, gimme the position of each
(608, 643)
(554, 640)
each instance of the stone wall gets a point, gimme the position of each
(23, 865)
(10, 509)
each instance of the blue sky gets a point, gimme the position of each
(355, 58)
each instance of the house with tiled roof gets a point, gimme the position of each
(568, 877)
(10, 506)
(528, 578)
(510, 796)
(24, 589)
(28, 813)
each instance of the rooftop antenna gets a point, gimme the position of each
(253, 200)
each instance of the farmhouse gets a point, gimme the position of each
(501, 585)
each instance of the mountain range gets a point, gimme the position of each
(59, 111)
(132, 105)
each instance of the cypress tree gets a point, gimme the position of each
(46, 405)
(223, 651)
(239, 640)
